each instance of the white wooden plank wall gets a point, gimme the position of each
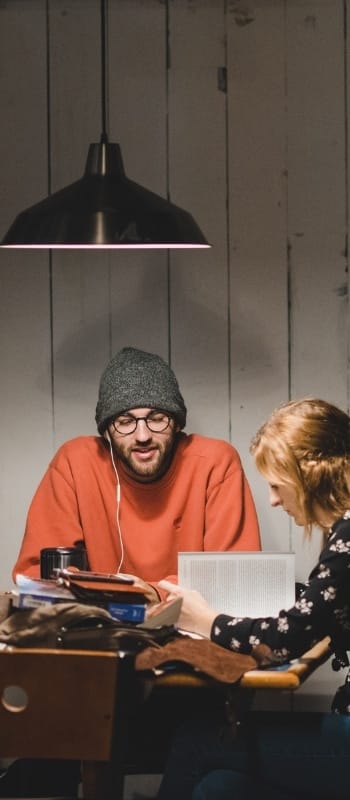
(138, 121)
(240, 112)
(317, 217)
(197, 163)
(257, 130)
(25, 342)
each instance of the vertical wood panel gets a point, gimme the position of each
(80, 339)
(26, 413)
(346, 329)
(80, 278)
(317, 213)
(137, 121)
(317, 208)
(23, 141)
(197, 174)
(316, 198)
(257, 237)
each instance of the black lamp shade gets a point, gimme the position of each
(104, 209)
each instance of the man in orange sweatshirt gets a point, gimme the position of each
(142, 490)
(135, 495)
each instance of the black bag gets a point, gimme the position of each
(94, 633)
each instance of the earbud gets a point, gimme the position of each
(107, 436)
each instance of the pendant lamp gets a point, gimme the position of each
(104, 209)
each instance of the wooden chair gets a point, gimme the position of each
(71, 705)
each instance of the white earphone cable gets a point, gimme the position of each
(118, 494)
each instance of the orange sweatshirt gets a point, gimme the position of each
(203, 502)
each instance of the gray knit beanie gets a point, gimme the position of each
(135, 379)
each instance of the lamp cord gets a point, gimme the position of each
(104, 136)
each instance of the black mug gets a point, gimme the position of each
(60, 558)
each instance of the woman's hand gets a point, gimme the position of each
(149, 591)
(196, 615)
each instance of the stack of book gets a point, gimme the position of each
(119, 595)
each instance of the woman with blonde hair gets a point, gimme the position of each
(303, 452)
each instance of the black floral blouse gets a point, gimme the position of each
(322, 608)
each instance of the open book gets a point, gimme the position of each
(244, 584)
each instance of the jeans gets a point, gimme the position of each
(275, 756)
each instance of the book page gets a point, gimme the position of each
(241, 584)
(164, 613)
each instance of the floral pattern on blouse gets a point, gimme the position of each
(322, 608)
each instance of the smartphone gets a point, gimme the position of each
(104, 577)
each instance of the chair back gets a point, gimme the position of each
(57, 703)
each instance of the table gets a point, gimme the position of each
(68, 704)
(84, 704)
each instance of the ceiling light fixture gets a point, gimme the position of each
(104, 209)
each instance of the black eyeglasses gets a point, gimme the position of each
(156, 422)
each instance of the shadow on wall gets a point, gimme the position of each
(201, 339)
(130, 307)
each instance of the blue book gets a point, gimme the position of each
(128, 612)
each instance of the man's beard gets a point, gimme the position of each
(146, 472)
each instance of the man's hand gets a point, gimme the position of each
(196, 615)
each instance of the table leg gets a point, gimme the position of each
(104, 780)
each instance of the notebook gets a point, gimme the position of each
(244, 584)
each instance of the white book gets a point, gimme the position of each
(244, 584)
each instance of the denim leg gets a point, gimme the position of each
(225, 784)
(305, 753)
(301, 755)
(198, 748)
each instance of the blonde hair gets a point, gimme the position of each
(306, 445)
